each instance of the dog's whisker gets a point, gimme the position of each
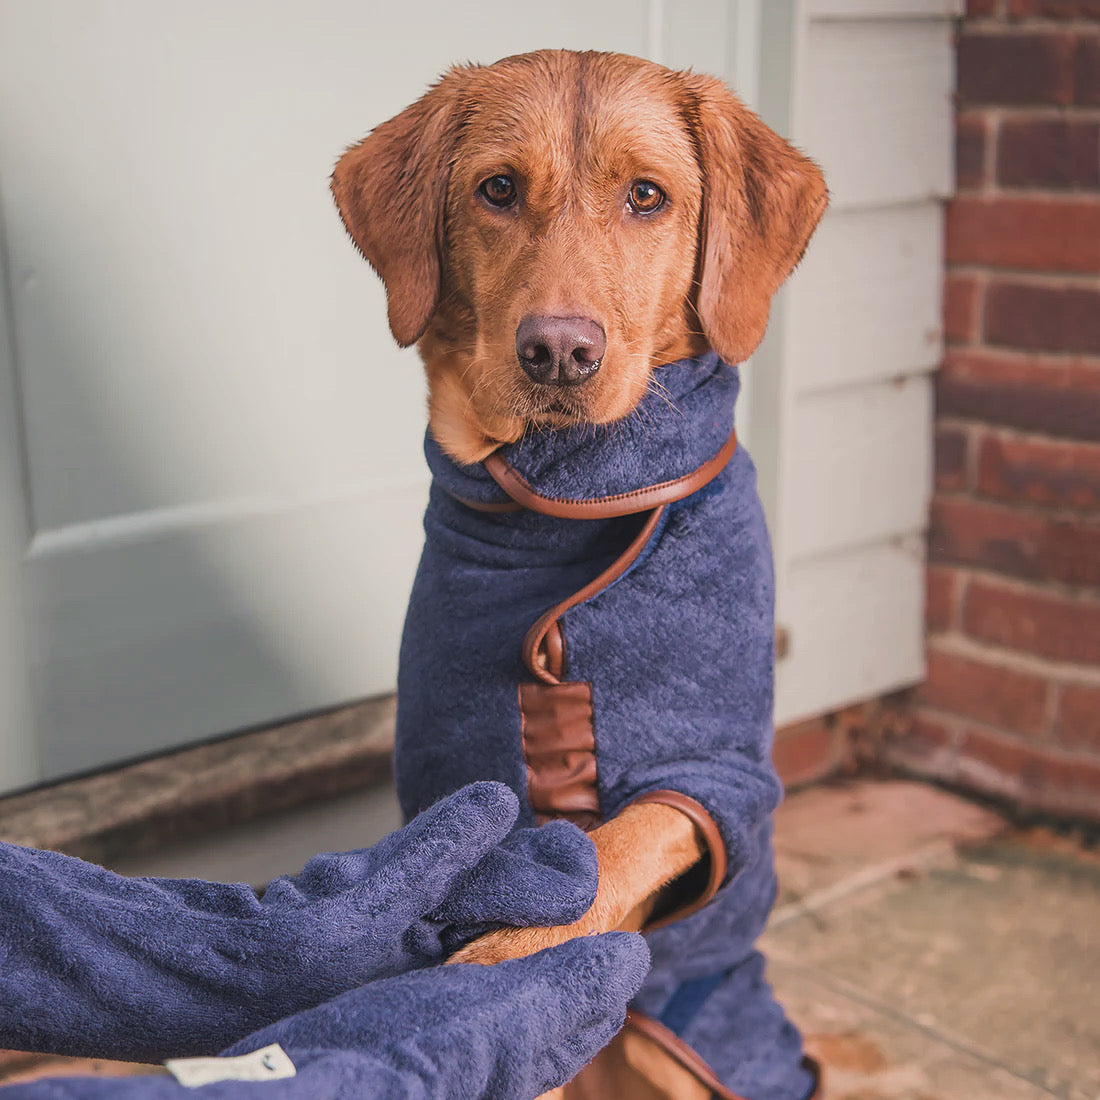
(662, 392)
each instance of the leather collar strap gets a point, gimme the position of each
(621, 504)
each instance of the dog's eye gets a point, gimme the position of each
(498, 190)
(645, 197)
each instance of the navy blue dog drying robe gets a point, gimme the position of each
(592, 623)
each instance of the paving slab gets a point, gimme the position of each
(837, 836)
(871, 1052)
(961, 964)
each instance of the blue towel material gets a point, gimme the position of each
(679, 652)
(507, 1032)
(95, 964)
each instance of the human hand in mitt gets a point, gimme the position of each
(505, 1032)
(142, 969)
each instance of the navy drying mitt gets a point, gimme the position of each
(505, 1032)
(93, 963)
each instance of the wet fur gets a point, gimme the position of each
(575, 129)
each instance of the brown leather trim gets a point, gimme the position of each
(489, 505)
(695, 1064)
(559, 748)
(537, 636)
(677, 1049)
(716, 848)
(621, 504)
(554, 648)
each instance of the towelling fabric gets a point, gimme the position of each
(592, 623)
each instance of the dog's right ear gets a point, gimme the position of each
(762, 199)
(390, 190)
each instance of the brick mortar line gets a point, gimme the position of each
(1052, 709)
(1028, 112)
(959, 603)
(1047, 746)
(958, 725)
(1089, 519)
(1018, 435)
(982, 292)
(952, 722)
(972, 456)
(1040, 280)
(1024, 191)
(991, 143)
(1055, 513)
(1030, 195)
(955, 643)
(1038, 359)
(1026, 26)
(1070, 593)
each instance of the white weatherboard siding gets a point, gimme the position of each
(857, 460)
(877, 108)
(853, 341)
(866, 305)
(823, 10)
(852, 616)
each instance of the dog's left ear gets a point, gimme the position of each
(390, 190)
(762, 200)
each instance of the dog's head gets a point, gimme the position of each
(552, 227)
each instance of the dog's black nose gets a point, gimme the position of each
(560, 351)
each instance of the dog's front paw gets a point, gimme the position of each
(512, 943)
(613, 909)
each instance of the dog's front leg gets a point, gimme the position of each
(640, 852)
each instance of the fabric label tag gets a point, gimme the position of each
(266, 1064)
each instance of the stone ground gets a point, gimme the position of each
(930, 953)
(927, 950)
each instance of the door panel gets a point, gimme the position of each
(145, 639)
(18, 750)
(218, 445)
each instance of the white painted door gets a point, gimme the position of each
(210, 471)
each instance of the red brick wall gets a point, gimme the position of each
(1011, 705)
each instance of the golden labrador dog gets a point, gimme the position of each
(550, 229)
